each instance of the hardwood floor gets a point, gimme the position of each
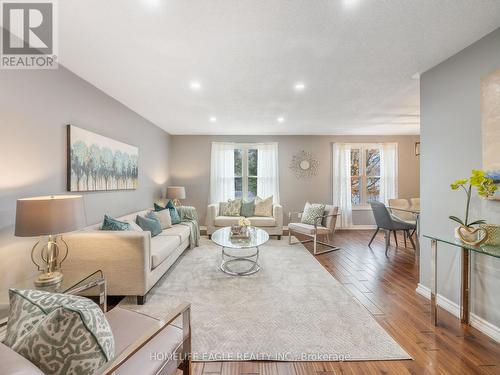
(386, 287)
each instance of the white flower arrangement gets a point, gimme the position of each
(244, 222)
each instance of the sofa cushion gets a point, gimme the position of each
(70, 334)
(307, 228)
(179, 230)
(226, 221)
(128, 326)
(261, 221)
(162, 247)
(15, 364)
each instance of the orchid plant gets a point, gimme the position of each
(485, 188)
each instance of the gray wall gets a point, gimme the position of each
(190, 166)
(451, 148)
(35, 107)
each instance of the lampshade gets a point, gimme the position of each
(176, 192)
(41, 216)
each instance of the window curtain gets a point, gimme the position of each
(342, 183)
(388, 172)
(222, 172)
(268, 171)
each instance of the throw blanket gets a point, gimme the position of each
(189, 217)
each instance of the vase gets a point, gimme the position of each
(493, 234)
(471, 236)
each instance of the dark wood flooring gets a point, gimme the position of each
(386, 287)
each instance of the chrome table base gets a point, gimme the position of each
(229, 259)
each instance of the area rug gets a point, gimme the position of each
(291, 310)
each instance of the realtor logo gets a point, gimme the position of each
(28, 35)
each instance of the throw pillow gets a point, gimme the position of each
(59, 333)
(174, 216)
(163, 217)
(149, 224)
(248, 208)
(232, 208)
(158, 208)
(170, 205)
(311, 212)
(264, 207)
(110, 223)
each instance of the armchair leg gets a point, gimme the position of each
(279, 238)
(411, 240)
(404, 236)
(314, 246)
(395, 238)
(373, 237)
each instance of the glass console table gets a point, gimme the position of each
(487, 250)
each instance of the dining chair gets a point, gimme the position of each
(403, 213)
(389, 223)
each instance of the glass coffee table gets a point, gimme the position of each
(240, 256)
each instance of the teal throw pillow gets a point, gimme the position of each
(174, 215)
(170, 205)
(149, 224)
(159, 208)
(110, 223)
(248, 208)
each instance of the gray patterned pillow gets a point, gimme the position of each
(311, 212)
(232, 208)
(59, 333)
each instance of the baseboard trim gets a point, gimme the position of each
(476, 321)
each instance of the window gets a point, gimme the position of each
(365, 175)
(245, 172)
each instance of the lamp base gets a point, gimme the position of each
(49, 278)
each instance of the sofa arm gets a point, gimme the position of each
(278, 215)
(212, 212)
(124, 257)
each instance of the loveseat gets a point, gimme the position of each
(132, 261)
(271, 224)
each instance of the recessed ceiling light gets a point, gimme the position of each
(280, 119)
(195, 85)
(213, 119)
(299, 86)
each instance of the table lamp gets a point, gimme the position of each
(176, 193)
(49, 216)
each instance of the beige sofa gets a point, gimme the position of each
(272, 225)
(132, 261)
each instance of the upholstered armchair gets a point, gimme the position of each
(323, 226)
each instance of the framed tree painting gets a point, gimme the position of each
(490, 114)
(97, 163)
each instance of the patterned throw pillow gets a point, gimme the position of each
(149, 224)
(59, 333)
(311, 212)
(264, 207)
(110, 223)
(232, 208)
(248, 208)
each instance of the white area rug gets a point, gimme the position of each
(291, 310)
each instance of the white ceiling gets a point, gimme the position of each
(356, 58)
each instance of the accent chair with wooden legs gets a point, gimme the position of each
(389, 223)
(323, 226)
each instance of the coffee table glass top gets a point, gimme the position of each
(222, 237)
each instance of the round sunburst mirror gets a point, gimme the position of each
(304, 165)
